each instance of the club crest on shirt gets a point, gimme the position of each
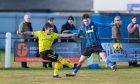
(92, 26)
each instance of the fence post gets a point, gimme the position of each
(8, 50)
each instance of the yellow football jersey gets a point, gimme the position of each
(45, 40)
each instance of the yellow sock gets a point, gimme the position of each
(64, 62)
(57, 66)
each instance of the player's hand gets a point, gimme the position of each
(65, 31)
(75, 36)
(81, 36)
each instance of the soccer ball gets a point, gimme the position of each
(117, 47)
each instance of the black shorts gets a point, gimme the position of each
(49, 55)
(93, 49)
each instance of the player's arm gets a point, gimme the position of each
(103, 24)
(72, 31)
(67, 35)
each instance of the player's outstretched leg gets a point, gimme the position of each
(65, 62)
(78, 66)
(108, 62)
(57, 66)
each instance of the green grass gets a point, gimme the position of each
(85, 76)
(38, 75)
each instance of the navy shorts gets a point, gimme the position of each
(89, 50)
(49, 55)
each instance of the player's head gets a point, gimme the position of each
(86, 19)
(117, 20)
(27, 18)
(47, 28)
(134, 19)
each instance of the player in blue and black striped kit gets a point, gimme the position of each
(92, 43)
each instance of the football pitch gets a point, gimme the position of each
(85, 76)
(36, 74)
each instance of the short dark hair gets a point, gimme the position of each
(134, 16)
(51, 18)
(70, 18)
(46, 26)
(85, 16)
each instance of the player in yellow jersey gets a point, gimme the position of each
(46, 39)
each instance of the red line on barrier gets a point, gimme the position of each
(37, 59)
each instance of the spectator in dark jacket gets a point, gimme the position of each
(68, 26)
(51, 22)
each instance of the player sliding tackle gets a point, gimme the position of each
(92, 43)
(46, 38)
